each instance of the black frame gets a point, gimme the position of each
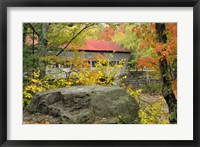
(97, 3)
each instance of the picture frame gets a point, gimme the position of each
(195, 4)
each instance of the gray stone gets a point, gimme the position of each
(83, 104)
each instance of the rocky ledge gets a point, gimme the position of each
(86, 105)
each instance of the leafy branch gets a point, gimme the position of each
(87, 26)
(33, 29)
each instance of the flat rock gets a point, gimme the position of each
(83, 104)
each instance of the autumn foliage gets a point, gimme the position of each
(148, 52)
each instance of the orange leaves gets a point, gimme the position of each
(172, 27)
(78, 60)
(158, 47)
(146, 34)
(122, 25)
(152, 26)
(172, 37)
(148, 62)
(107, 34)
(142, 45)
(134, 29)
(164, 53)
(162, 49)
(169, 50)
(145, 45)
(98, 56)
(142, 37)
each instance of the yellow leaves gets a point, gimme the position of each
(36, 74)
(133, 93)
(164, 122)
(36, 81)
(103, 72)
(148, 113)
(109, 56)
(153, 114)
(68, 84)
(119, 36)
(80, 74)
(33, 88)
(27, 95)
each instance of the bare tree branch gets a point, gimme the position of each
(151, 104)
(33, 29)
(87, 26)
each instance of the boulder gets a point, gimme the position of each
(86, 105)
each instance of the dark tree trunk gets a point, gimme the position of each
(25, 30)
(33, 48)
(165, 76)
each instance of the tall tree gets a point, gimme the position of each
(43, 44)
(154, 46)
(165, 75)
(25, 32)
(57, 37)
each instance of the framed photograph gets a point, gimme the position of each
(99, 73)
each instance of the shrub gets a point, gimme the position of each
(149, 113)
(103, 73)
(79, 74)
(36, 84)
(152, 87)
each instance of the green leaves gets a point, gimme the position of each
(61, 33)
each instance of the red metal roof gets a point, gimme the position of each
(91, 45)
(101, 45)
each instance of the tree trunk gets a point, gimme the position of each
(43, 42)
(165, 76)
(25, 29)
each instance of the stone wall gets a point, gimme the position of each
(139, 78)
